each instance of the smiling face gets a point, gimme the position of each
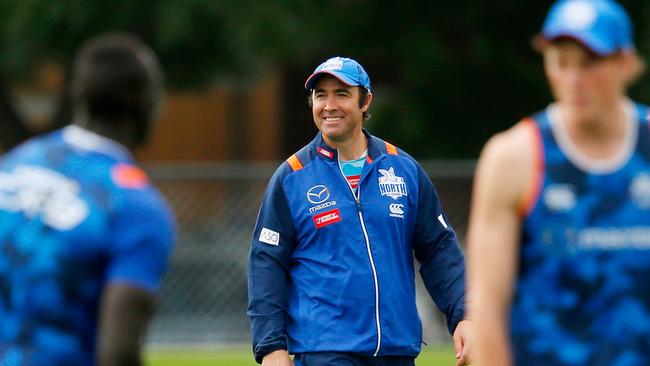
(336, 110)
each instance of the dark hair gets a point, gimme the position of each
(116, 78)
(363, 99)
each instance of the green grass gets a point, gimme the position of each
(242, 356)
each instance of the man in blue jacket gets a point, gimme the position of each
(331, 272)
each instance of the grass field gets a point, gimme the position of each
(242, 356)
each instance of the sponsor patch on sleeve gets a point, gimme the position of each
(269, 236)
(326, 218)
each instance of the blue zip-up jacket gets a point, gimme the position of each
(330, 271)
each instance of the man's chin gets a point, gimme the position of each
(334, 137)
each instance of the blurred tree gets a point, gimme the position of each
(447, 74)
(197, 41)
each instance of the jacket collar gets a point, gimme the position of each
(376, 147)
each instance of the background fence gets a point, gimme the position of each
(203, 299)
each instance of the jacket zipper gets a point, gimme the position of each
(357, 198)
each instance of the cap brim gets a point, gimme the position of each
(587, 40)
(311, 80)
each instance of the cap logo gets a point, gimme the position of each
(333, 64)
(579, 14)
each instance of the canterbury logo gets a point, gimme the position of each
(318, 194)
(396, 208)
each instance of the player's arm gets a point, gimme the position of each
(503, 177)
(442, 264)
(124, 314)
(268, 266)
(137, 260)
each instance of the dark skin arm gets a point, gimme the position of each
(124, 314)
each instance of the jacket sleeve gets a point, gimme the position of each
(268, 264)
(442, 264)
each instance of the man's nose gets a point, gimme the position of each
(574, 76)
(330, 104)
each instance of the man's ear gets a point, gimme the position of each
(368, 101)
(633, 65)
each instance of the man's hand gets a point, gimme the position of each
(278, 358)
(462, 337)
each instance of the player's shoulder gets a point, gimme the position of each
(378, 147)
(129, 177)
(33, 149)
(131, 181)
(516, 146)
(133, 189)
(296, 162)
(511, 162)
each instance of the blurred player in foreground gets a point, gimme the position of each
(331, 275)
(559, 233)
(84, 236)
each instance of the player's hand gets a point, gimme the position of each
(462, 338)
(277, 358)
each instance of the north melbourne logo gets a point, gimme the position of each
(391, 185)
(333, 64)
(579, 14)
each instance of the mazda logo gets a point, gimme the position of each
(318, 194)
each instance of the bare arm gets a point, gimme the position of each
(504, 175)
(124, 314)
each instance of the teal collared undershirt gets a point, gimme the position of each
(352, 169)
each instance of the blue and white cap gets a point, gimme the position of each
(345, 69)
(603, 26)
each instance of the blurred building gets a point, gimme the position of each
(220, 124)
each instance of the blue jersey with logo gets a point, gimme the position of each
(583, 291)
(75, 215)
(331, 269)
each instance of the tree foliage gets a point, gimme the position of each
(446, 74)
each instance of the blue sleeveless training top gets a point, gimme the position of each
(76, 214)
(583, 290)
